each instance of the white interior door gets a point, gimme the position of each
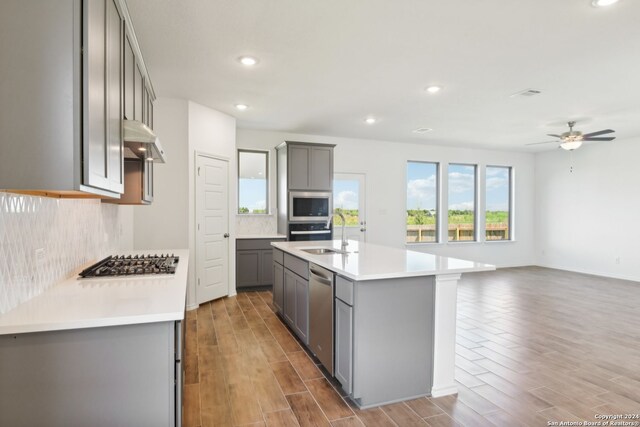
(349, 198)
(212, 228)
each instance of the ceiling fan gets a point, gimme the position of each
(573, 139)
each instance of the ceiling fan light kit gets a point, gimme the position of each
(571, 145)
(573, 139)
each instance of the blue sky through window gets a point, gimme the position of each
(497, 188)
(345, 194)
(252, 193)
(462, 187)
(422, 185)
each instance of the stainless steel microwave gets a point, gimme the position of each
(310, 206)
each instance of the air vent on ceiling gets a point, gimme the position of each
(526, 92)
(422, 130)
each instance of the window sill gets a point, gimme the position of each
(500, 241)
(461, 242)
(254, 215)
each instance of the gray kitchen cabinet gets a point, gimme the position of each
(266, 270)
(309, 166)
(289, 297)
(278, 286)
(254, 262)
(147, 177)
(301, 323)
(64, 109)
(129, 77)
(138, 95)
(296, 300)
(129, 375)
(344, 345)
(248, 268)
(102, 94)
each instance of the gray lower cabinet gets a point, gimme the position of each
(344, 345)
(248, 268)
(254, 262)
(278, 286)
(110, 376)
(296, 304)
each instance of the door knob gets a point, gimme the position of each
(226, 235)
(363, 229)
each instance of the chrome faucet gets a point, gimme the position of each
(345, 242)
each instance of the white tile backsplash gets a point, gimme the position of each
(42, 240)
(256, 224)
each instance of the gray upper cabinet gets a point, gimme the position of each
(70, 71)
(147, 176)
(129, 76)
(310, 166)
(299, 167)
(138, 95)
(321, 170)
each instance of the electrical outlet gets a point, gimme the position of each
(618, 260)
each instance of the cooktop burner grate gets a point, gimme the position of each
(132, 265)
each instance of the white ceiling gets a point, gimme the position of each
(325, 65)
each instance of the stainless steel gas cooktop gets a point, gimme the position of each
(133, 265)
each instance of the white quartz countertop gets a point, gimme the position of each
(367, 261)
(95, 302)
(260, 236)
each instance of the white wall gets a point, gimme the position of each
(164, 223)
(184, 128)
(586, 220)
(384, 164)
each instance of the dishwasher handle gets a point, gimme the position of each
(322, 279)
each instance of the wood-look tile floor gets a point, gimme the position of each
(533, 345)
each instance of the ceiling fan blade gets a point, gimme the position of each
(553, 135)
(600, 132)
(606, 138)
(538, 143)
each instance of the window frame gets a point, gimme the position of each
(511, 204)
(476, 202)
(438, 199)
(267, 177)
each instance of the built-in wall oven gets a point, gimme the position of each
(310, 206)
(309, 231)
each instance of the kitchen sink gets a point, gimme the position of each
(321, 251)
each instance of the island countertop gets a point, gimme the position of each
(75, 303)
(368, 261)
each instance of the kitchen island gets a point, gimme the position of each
(394, 316)
(96, 351)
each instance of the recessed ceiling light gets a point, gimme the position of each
(249, 61)
(150, 159)
(142, 149)
(602, 3)
(433, 89)
(241, 107)
(370, 120)
(422, 130)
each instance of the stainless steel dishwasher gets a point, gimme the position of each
(321, 314)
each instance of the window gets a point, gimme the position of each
(253, 182)
(498, 199)
(462, 202)
(346, 199)
(422, 202)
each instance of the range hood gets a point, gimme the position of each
(140, 142)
